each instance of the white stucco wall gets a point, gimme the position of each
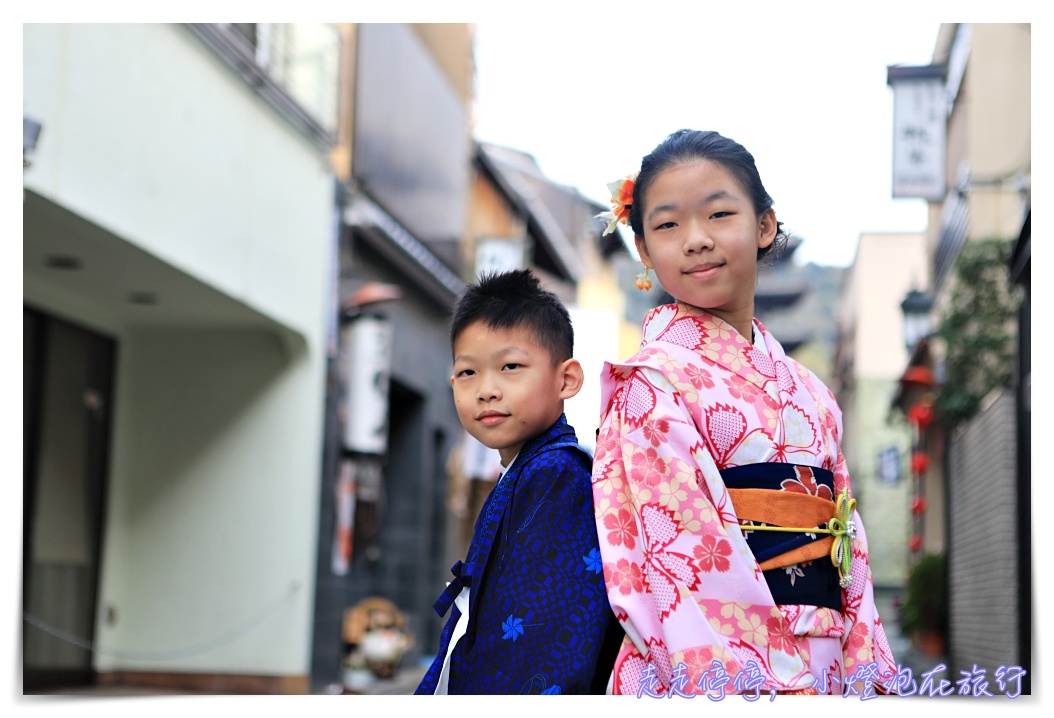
(149, 135)
(209, 544)
(209, 556)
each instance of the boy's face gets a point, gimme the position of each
(506, 388)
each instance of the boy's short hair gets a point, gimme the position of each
(512, 299)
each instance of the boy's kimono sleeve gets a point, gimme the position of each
(544, 613)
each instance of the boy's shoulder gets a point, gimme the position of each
(556, 445)
(558, 466)
(559, 434)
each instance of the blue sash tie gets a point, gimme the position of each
(462, 578)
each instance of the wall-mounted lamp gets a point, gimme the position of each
(916, 308)
(30, 134)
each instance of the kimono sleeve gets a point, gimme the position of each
(546, 614)
(654, 490)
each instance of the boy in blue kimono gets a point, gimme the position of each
(530, 613)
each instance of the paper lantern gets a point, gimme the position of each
(921, 415)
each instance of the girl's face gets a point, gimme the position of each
(701, 237)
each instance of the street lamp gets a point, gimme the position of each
(916, 308)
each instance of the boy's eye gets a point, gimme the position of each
(466, 372)
(512, 365)
(718, 215)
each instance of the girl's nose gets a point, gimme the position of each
(696, 238)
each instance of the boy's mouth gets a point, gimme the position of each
(490, 418)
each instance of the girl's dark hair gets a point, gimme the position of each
(688, 145)
(514, 299)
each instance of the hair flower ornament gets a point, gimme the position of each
(621, 199)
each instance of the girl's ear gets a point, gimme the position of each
(767, 227)
(642, 250)
(572, 376)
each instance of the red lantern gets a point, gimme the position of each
(921, 414)
(918, 505)
(918, 376)
(915, 543)
(919, 462)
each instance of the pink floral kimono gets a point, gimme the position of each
(695, 401)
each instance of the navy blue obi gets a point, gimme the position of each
(812, 582)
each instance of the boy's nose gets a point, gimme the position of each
(488, 390)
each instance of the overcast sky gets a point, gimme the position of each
(589, 96)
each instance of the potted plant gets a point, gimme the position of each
(923, 614)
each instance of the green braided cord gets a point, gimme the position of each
(844, 530)
(841, 527)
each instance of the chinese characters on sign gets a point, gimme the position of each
(865, 683)
(919, 121)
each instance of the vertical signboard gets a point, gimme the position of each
(920, 117)
(368, 357)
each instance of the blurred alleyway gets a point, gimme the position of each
(408, 677)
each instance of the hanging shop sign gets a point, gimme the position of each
(920, 117)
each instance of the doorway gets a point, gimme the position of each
(67, 394)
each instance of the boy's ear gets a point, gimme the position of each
(572, 377)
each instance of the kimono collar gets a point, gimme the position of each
(559, 431)
(718, 341)
(487, 525)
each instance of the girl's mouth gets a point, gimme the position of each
(703, 271)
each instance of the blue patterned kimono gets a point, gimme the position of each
(539, 618)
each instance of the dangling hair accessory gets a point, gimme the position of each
(621, 201)
(643, 280)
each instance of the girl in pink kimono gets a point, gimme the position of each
(732, 551)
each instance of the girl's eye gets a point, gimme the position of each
(512, 365)
(667, 225)
(718, 215)
(466, 372)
